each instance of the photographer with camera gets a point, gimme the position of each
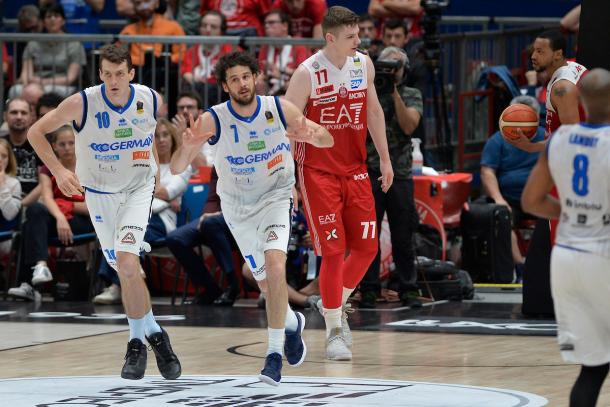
(403, 108)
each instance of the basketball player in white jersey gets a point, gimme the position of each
(251, 137)
(577, 163)
(116, 169)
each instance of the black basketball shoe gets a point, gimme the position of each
(135, 360)
(167, 361)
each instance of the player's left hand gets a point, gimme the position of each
(522, 143)
(387, 175)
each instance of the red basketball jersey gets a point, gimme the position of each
(337, 101)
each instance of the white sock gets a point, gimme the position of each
(346, 293)
(150, 325)
(332, 318)
(276, 341)
(292, 322)
(136, 328)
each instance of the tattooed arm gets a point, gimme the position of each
(564, 99)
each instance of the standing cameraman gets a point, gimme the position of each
(403, 108)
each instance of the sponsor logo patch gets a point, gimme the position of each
(129, 227)
(361, 177)
(326, 219)
(140, 107)
(331, 235)
(128, 238)
(269, 117)
(271, 236)
(323, 101)
(141, 155)
(325, 89)
(274, 161)
(256, 145)
(122, 122)
(355, 83)
(356, 73)
(98, 219)
(270, 130)
(242, 171)
(136, 121)
(107, 157)
(122, 145)
(123, 133)
(343, 92)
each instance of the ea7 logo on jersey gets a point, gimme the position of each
(326, 219)
(346, 114)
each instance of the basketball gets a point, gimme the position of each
(518, 116)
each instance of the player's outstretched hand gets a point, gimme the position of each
(68, 183)
(195, 136)
(387, 175)
(317, 136)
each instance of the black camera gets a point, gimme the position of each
(433, 10)
(385, 75)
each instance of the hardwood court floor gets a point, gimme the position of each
(525, 363)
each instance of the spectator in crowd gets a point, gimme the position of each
(10, 192)
(403, 109)
(5, 61)
(46, 103)
(83, 16)
(189, 104)
(186, 13)
(244, 17)
(59, 217)
(200, 60)
(165, 206)
(306, 16)
(410, 11)
(18, 116)
(504, 172)
(54, 65)
(32, 92)
(368, 31)
(279, 62)
(28, 22)
(149, 22)
(125, 8)
(211, 230)
(395, 33)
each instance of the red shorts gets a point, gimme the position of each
(340, 211)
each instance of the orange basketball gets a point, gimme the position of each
(518, 116)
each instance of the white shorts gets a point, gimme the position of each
(267, 229)
(580, 283)
(120, 219)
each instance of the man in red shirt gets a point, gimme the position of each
(306, 16)
(335, 89)
(244, 17)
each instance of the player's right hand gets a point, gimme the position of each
(195, 136)
(68, 183)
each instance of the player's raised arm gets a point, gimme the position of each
(376, 125)
(299, 88)
(200, 131)
(536, 198)
(68, 111)
(304, 130)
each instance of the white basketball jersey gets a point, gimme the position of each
(253, 158)
(579, 161)
(114, 144)
(572, 72)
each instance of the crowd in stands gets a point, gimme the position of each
(47, 72)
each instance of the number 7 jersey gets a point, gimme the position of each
(579, 162)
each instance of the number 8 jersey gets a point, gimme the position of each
(579, 161)
(114, 144)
